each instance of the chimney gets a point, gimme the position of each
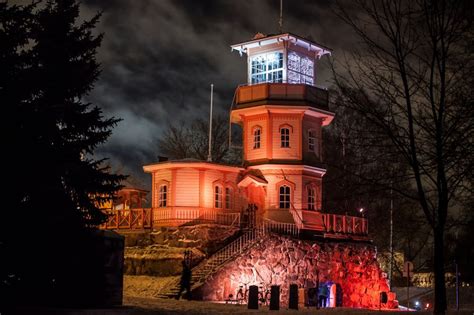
(162, 158)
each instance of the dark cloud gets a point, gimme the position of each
(160, 56)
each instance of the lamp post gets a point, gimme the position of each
(391, 237)
(361, 211)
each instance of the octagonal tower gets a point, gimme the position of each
(281, 112)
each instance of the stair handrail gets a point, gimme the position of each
(228, 251)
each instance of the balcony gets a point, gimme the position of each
(281, 94)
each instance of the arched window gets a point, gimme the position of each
(285, 194)
(256, 138)
(228, 198)
(311, 140)
(311, 198)
(285, 137)
(163, 196)
(218, 197)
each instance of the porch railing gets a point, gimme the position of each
(182, 215)
(145, 218)
(280, 227)
(330, 223)
(345, 224)
(129, 219)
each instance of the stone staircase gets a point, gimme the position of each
(211, 265)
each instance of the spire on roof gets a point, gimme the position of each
(259, 35)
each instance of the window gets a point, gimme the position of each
(256, 138)
(218, 197)
(267, 68)
(311, 140)
(285, 137)
(311, 198)
(228, 198)
(284, 197)
(300, 69)
(162, 196)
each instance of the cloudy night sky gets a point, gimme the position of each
(160, 57)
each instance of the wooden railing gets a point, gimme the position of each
(280, 227)
(129, 219)
(283, 91)
(330, 223)
(182, 215)
(345, 224)
(145, 218)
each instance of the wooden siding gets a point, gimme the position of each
(160, 177)
(258, 121)
(187, 187)
(210, 178)
(272, 197)
(314, 124)
(294, 123)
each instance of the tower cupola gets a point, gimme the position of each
(283, 58)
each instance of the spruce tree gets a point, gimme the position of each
(49, 66)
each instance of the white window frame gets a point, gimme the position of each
(218, 197)
(163, 196)
(311, 198)
(303, 78)
(284, 197)
(257, 136)
(266, 72)
(285, 137)
(311, 140)
(228, 198)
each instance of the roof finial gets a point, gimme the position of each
(280, 22)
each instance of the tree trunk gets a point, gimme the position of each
(440, 287)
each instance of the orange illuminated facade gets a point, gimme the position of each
(282, 114)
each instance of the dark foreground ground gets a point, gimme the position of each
(136, 305)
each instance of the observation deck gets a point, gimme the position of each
(281, 94)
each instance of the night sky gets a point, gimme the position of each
(160, 57)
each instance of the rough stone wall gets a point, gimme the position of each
(282, 261)
(160, 253)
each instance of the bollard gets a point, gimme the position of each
(275, 298)
(293, 300)
(253, 298)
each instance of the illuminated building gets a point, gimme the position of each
(277, 189)
(281, 113)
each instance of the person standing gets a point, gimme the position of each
(185, 283)
(323, 295)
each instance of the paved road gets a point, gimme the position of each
(148, 306)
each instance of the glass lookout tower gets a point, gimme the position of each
(283, 58)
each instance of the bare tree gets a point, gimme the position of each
(412, 79)
(191, 141)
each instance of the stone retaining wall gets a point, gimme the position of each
(283, 261)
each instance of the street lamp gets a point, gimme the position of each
(361, 211)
